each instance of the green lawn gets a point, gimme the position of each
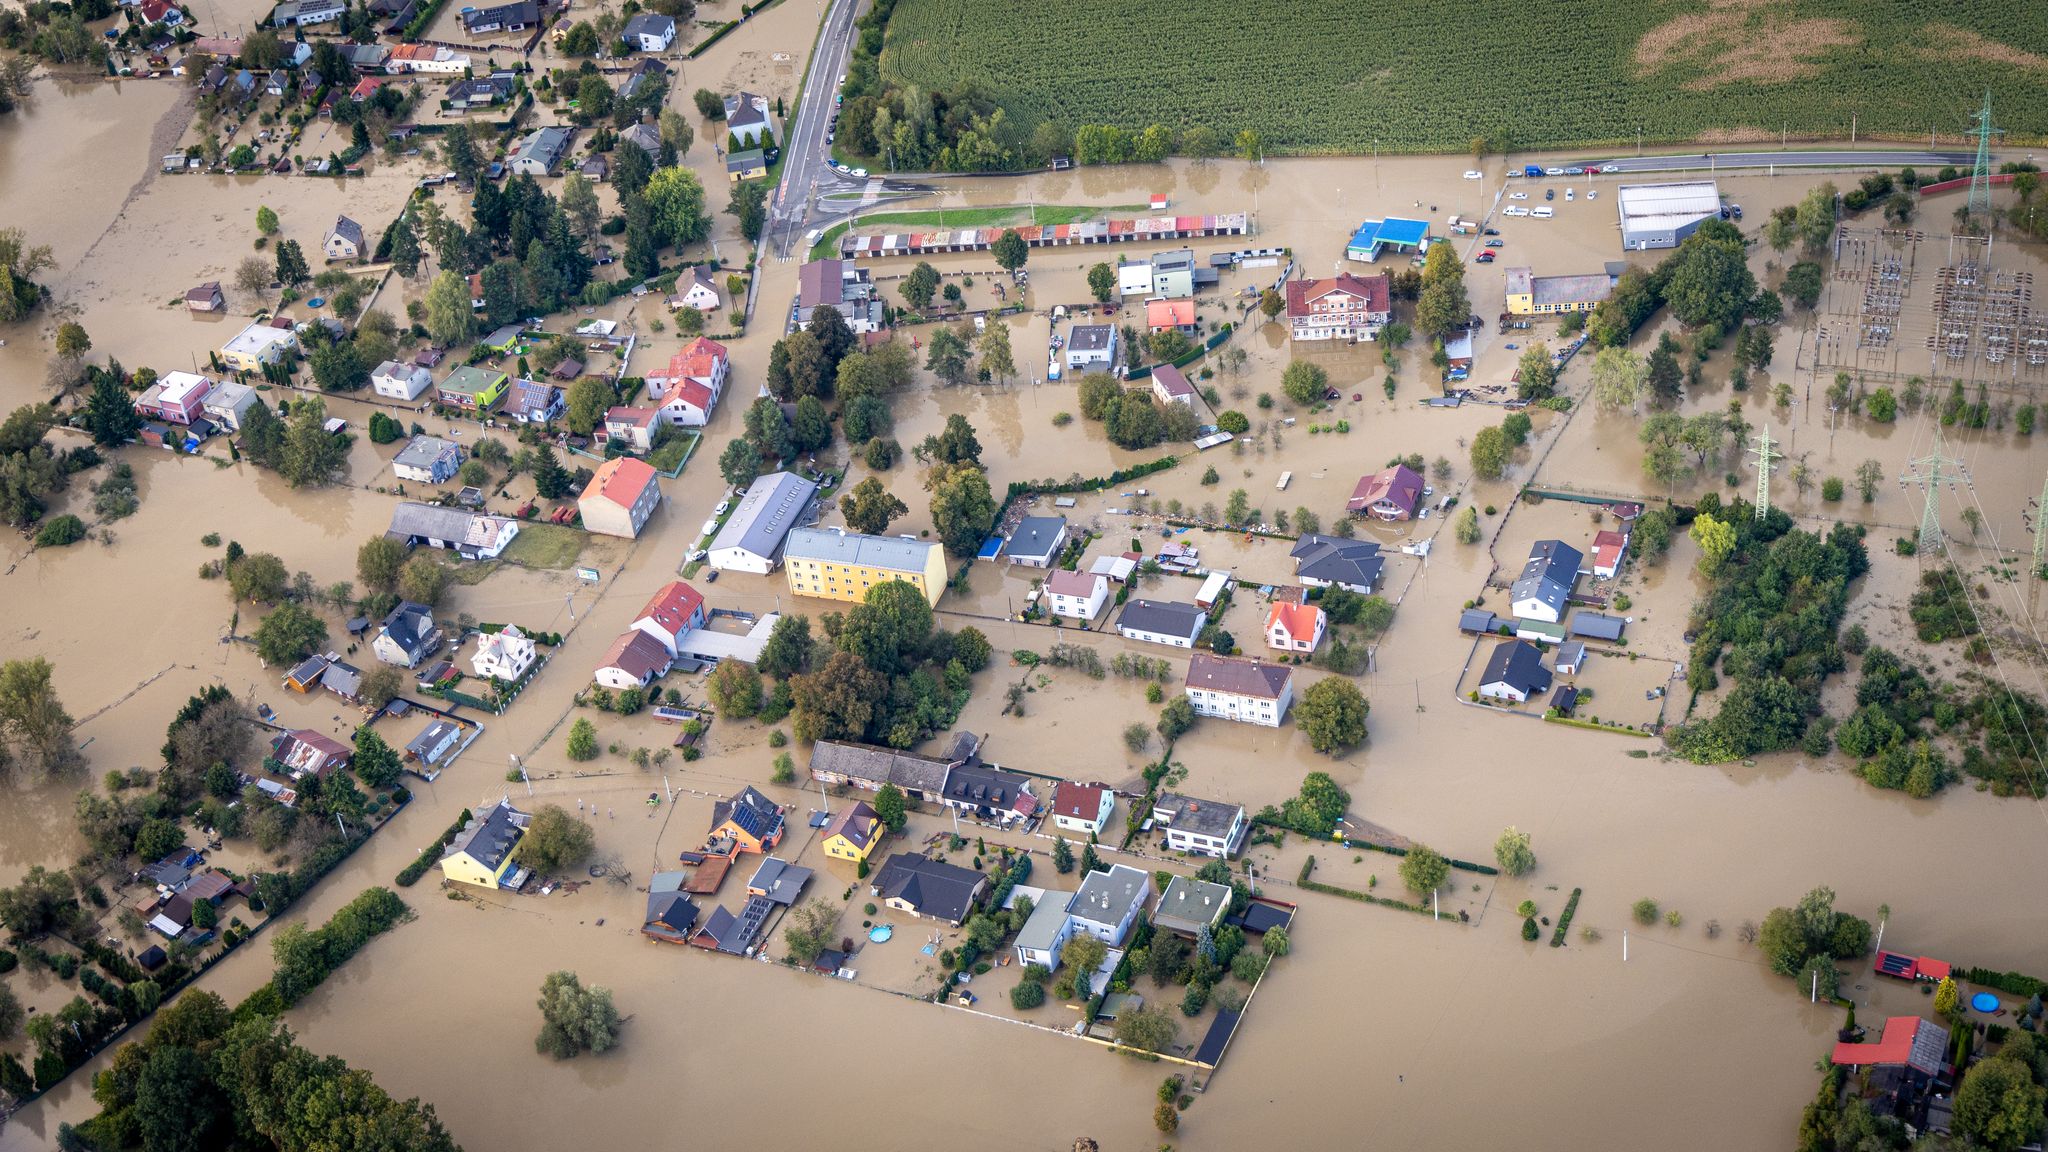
(828, 244)
(669, 457)
(541, 545)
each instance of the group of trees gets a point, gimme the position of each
(523, 241)
(1132, 417)
(882, 672)
(1705, 282)
(32, 472)
(20, 261)
(297, 446)
(1493, 447)
(1805, 940)
(35, 730)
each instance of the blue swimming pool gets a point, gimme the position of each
(880, 933)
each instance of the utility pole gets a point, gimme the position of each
(1764, 454)
(1928, 472)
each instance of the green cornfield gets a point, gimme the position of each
(1348, 77)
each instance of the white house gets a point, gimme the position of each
(1610, 548)
(1292, 627)
(1092, 347)
(1514, 672)
(1162, 622)
(396, 381)
(690, 387)
(503, 655)
(1248, 691)
(408, 635)
(650, 32)
(1541, 591)
(634, 660)
(1109, 902)
(673, 611)
(1170, 386)
(1076, 595)
(427, 460)
(694, 289)
(748, 119)
(1045, 935)
(1133, 278)
(227, 402)
(1084, 809)
(1199, 827)
(344, 241)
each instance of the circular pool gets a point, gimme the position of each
(880, 933)
(1984, 1002)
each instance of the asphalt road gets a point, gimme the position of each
(806, 163)
(1713, 161)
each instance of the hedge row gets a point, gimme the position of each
(1272, 820)
(1309, 865)
(2016, 983)
(432, 856)
(723, 30)
(1564, 921)
(1120, 476)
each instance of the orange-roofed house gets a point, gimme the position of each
(673, 613)
(1610, 548)
(1163, 314)
(689, 390)
(1907, 1042)
(620, 497)
(1295, 627)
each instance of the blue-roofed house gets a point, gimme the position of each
(752, 821)
(1540, 592)
(1394, 232)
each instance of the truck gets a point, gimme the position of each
(1532, 170)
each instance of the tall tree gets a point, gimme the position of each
(869, 507)
(947, 356)
(33, 722)
(677, 200)
(291, 264)
(994, 347)
(312, 454)
(1010, 250)
(110, 412)
(450, 319)
(1443, 306)
(1537, 375)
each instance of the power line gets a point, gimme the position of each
(1764, 454)
(1927, 472)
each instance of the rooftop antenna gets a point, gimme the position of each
(1764, 454)
(1928, 473)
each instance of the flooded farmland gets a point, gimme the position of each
(1427, 1034)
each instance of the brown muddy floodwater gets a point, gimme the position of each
(1428, 1035)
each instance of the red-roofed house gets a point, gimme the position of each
(689, 390)
(1163, 314)
(633, 661)
(1389, 494)
(633, 427)
(672, 613)
(1295, 627)
(1910, 967)
(161, 12)
(1076, 595)
(304, 752)
(1170, 386)
(1340, 307)
(1609, 549)
(1083, 808)
(1907, 1042)
(620, 497)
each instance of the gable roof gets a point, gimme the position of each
(489, 838)
(932, 887)
(699, 360)
(981, 786)
(1171, 381)
(1162, 617)
(621, 480)
(1239, 677)
(349, 230)
(650, 24)
(889, 553)
(1596, 625)
(858, 824)
(410, 626)
(1170, 313)
(1078, 801)
(1552, 567)
(1907, 1040)
(670, 914)
(1300, 620)
(531, 396)
(778, 880)
(1374, 292)
(437, 523)
(1517, 664)
(874, 765)
(751, 812)
(1399, 485)
(1337, 560)
(672, 607)
(765, 515)
(636, 654)
(821, 282)
(1608, 545)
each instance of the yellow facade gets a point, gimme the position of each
(850, 580)
(840, 847)
(463, 868)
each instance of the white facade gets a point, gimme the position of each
(1203, 843)
(1109, 902)
(1077, 595)
(1134, 278)
(504, 655)
(1242, 707)
(396, 381)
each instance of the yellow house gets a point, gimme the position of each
(1551, 295)
(834, 564)
(259, 344)
(853, 834)
(481, 854)
(473, 389)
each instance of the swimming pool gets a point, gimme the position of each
(880, 933)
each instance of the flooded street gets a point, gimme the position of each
(1427, 1035)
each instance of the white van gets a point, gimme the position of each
(1569, 194)
(1543, 213)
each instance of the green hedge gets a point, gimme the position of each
(723, 31)
(1120, 476)
(1564, 921)
(2016, 983)
(1309, 865)
(1271, 820)
(431, 856)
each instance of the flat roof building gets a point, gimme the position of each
(1531, 295)
(1663, 215)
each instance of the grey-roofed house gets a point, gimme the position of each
(513, 17)
(989, 794)
(747, 118)
(1334, 562)
(1188, 905)
(1036, 541)
(1571, 656)
(928, 888)
(1162, 622)
(427, 460)
(344, 241)
(1091, 346)
(841, 286)
(541, 152)
(408, 635)
(1540, 592)
(479, 92)
(1109, 902)
(434, 742)
(751, 538)
(1597, 625)
(646, 137)
(778, 880)
(1514, 672)
(472, 535)
(481, 853)
(722, 931)
(1046, 933)
(1478, 620)
(650, 32)
(343, 679)
(1199, 827)
(649, 70)
(670, 914)
(870, 766)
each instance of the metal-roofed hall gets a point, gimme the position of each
(752, 538)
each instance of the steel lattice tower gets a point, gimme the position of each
(1929, 472)
(1980, 175)
(1764, 454)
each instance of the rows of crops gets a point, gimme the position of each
(1344, 76)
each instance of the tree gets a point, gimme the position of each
(1467, 527)
(291, 264)
(375, 764)
(735, 689)
(378, 562)
(289, 634)
(589, 398)
(1536, 376)
(1318, 806)
(266, 221)
(1332, 714)
(921, 285)
(1271, 304)
(1813, 219)
(1424, 869)
(1868, 475)
(1009, 250)
(1490, 452)
(381, 685)
(963, 508)
(740, 463)
(1062, 855)
(110, 412)
(555, 841)
(869, 507)
(810, 930)
(947, 356)
(72, 342)
(678, 203)
(1999, 1105)
(1716, 539)
(1304, 382)
(994, 347)
(1662, 373)
(749, 204)
(1707, 282)
(1512, 852)
(1176, 718)
(1946, 997)
(1443, 306)
(1618, 377)
(811, 430)
(259, 576)
(1149, 1028)
(551, 481)
(450, 320)
(1802, 285)
(422, 579)
(1102, 281)
(338, 367)
(575, 1019)
(582, 745)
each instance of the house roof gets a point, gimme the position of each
(1170, 313)
(1037, 537)
(545, 146)
(981, 786)
(621, 480)
(308, 670)
(672, 607)
(1608, 545)
(473, 381)
(1172, 381)
(890, 553)
(744, 109)
(1107, 897)
(410, 626)
(343, 679)
(532, 396)
(1400, 486)
(1552, 567)
(650, 24)
(1065, 583)
(1188, 903)
(349, 230)
(1190, 814)
(204, 292)
(636, 654)
(1238, 677)
(1048, 920)
(423, 451)
(1375, 293)
(1477, 620)
(1597, 626)
(1302, 621)
(1572, 653)
(670, 914)
(699, 360)
(933, 888)
(876, 766)
(1565, 698)
(1906, 1040)
(779, 880)
(1162, 617)
(489, 838)
(305, 749)
(821, 282)
(1517, 664)
(1091, 337)
(857, 824)
(435, 522)
(631, 417)
(1078, 801)
(771, 507)
(1337, 560)
(431, 737)
(753, 813)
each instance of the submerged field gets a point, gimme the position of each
(1352, 77)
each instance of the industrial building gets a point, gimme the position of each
(1663, 215)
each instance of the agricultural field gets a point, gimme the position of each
(1348, 77)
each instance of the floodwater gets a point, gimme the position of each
(1437, 1035)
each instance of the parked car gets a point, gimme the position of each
(1514, 211)
(1575, 170)
(1493, 232)
(1610, 167)
(1495, 243)
(842, 169)
(1518, 195)
(1550, 193)
(1553, 171)
(1484, 258)
(860, 173)
(1475, 174)
(1570, 195)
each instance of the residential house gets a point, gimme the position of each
(1076, 595)
(473, 92)
(1162, 622)
(1189, 905)
(473, 389)
(633, 428)
(1109, 902)
(514, 17)
(751, 540)
(1389, 494)
(1610, 548)
(277, 83)
(541, 151)
(620, 497)
(1530, 295)
(650, 32)
(1343, 307)
(645, 137)
(1170, 386)
(1036, 541)
(344, 241)
(672, 613)
(1514, 672)
(1179, 315)
(304, 752)
(928, 888)
(1044, 936)
(1248, 691)
(175, 398)
(691, 386)
(751, 820)
(305, 675)
(748, 120)
(362, 58)
(1199, 827)
(1133, 277)
(869, 766)
(595, 168)
(843, 287)
(481, 854)
(1906, 1041)
(342, 678)
(1541, 591)
(1092, 347)
(262, 342)
(1173, 273)
(428, 58)
(304, 13)
(503, 655)
(242, 87)
(396, 381)
(634, 660)
(1571, 656)
(503, 340)
(671, 916)
(227, 403)
(734, 935)
(214, 80)
(648, 71)
(472, 535)
(834, 564)
(778, 880)
(407, 636)
(206, 298)
(1292, 627)
(1084, 809)
(435, 741)
(989, 794)
(533, 401)
(161, 12)
(1334, 562)
(695, 289)
(853, 833)
(427, 460)
(749, 164)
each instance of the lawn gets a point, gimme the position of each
(549, 546)
(671, 454)
(828, 244)
(1347, 77)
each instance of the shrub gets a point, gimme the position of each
(1645, 911)
(1529, 929)
(1027, 995)
(58, 531)
(1831, 489)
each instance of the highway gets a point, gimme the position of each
(806, 162)
(1714, 161)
